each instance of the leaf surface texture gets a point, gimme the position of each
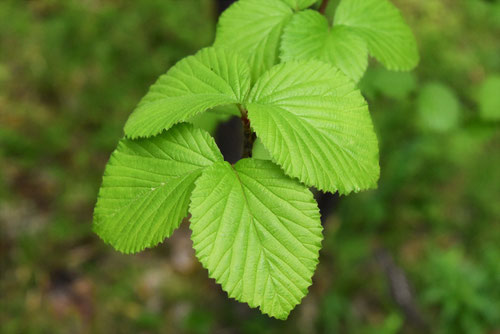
(147, 185)
(309, 36)
(381, 25)
(253, 28)
(316, 126)
(213, 77)
(257, 232)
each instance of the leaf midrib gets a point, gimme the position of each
(255, 220)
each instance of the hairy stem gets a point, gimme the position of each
(322, 8)
(248, 134)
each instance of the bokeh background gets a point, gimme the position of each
(419, 255)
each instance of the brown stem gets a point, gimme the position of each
(248, 134)
(324, 5)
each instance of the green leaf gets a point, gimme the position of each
(381, 25)
(253, 28)
(309, 36)
(147, 185)
(257, 232)
(300, 4)
(438, 108)
(259, 151)
(213, 77)
(210, 120)
(489, 99)
(316, 126)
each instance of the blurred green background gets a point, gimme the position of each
(419, 255)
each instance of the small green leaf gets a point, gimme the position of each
(438, 108)
(259, 151)
(489, 99)
(300, 4)
(213, 77)
(316, 126)
(253, 28)
(309, 36)
(381, 25)
(257, 232)
(147, 185)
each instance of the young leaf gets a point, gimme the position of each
(309, 36)
(380, 24)
(300, 4)
(316, 126)
(253, 28)
(213, 77)
(147, 185)
(257, 232)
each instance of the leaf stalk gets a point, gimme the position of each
(324, 5)
(248, 135)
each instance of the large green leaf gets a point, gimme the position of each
(300, 4)
(147, 185)
(380, 24)
(257, 232)
(316, 126)
(253, 28)
(309, 36)
(211, 78)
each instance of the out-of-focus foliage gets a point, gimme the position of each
(396, 85)
(438, 108)
(489, 98)
(70, 74)
(72, 71)
(461, 290)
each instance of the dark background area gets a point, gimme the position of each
(420, 254)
